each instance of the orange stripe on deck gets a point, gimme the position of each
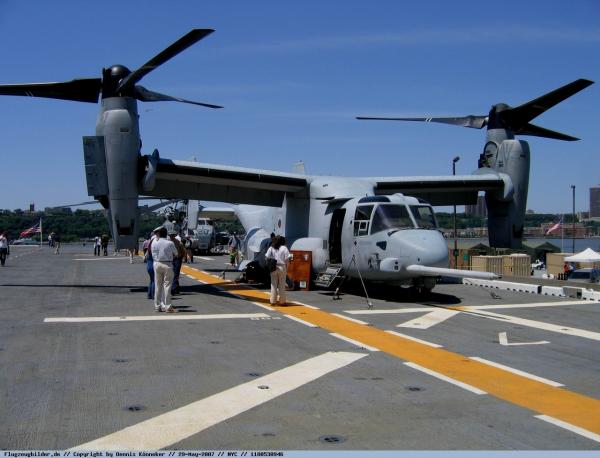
(565, 405)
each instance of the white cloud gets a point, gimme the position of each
(446, 37)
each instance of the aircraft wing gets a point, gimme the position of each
(167, 178)
(427, 271)
(445, 190)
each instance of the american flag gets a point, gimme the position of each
(32, 230)
(554, 227)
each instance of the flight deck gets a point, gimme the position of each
(88, 365)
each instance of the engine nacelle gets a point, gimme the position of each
(506, 213)
(320, 255)
(111, 162)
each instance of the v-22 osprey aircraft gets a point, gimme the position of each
(369, 225)
(381, 238)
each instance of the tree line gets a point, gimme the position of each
(85, 224)
(81, 224)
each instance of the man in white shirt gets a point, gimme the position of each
(163, 251)
(97, 246)
(4, 248)
(281, 254)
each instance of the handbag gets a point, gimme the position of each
(272, 264)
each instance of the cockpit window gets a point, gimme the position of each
(391, 217)
(423, 215)
(361, 219)
(363, 212)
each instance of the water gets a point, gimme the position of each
(565, 245)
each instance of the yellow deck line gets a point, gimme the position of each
(567, 406)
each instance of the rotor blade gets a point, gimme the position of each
(475, 122)
(79, 90)
(145, 95)
(537, 131)
(156, 206)
(526, 112)
(180, 45)
(80, 204)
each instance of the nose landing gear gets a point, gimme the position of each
(422, 286)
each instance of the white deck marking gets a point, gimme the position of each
(306, 323)
(519, 306)
(354, 320)
(440, 315)
(112, 258)
(264, 306)
(468, 307)
(174, 426)
(540, 325)
(429, 320)
(156, 317)
(353, 342)
(517, 371)
(570, 427)
(503, 340)
(446, 379)
(424, 342)
(205, 258)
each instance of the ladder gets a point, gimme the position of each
(327, 278)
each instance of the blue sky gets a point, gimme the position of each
(292, 76)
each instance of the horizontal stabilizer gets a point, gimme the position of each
(427, 271)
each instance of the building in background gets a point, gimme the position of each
(595, 202)
(31, 209)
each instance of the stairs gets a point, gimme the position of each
(326, 279)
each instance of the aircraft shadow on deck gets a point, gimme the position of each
(391, 293)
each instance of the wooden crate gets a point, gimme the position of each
(494, 264)
(299, 269)
(555, 262)
(517, 265)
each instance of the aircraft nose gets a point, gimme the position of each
(424, 247)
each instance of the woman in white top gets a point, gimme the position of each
(281, 254)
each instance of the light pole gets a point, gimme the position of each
(455, 253)
(573, 188)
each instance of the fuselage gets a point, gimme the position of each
(377, 235)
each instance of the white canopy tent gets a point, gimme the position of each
(587, 255)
